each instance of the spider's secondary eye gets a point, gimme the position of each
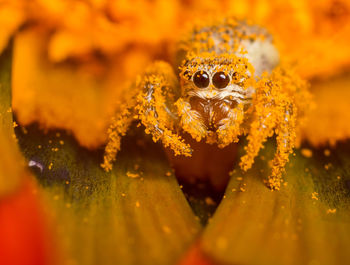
(187, 75)
(238, 79)
(201, 79)
(235, 77)
(221, 80)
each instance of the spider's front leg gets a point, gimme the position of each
(278, 107)
(190, 120)
(279, 119)
(262, 126)
(286, 139)
(155, 106)
(230, 127)
(118, 128)
(293, 101)
(152, 104)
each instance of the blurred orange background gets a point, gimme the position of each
(75, 61)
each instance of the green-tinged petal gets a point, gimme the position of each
(137, 214)
(10, 170)
(5, 84)
(306, 222)
(23, 226)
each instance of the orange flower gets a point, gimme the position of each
(105, 44)
(73, 66)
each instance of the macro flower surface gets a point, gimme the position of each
(69, 66)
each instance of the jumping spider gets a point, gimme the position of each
(230, 83)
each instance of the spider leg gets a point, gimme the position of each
(280, 101)
(230, 127)
(286, 139)
(261, 128)
(294, 101)
(155, 107)
(271, 114)
(263, 111)
(190, 120)
(118, 128)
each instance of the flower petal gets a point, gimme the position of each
(25, 239)
(329, 121)
(7, 136)
(135, 214)
(306, 222)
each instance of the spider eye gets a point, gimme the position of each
(201, 79)
(187, 75)
(235, 77)
(220, 80)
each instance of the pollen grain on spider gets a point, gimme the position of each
(231, 83)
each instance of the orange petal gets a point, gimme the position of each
(24, 239)
(80, 100)
(329, 121)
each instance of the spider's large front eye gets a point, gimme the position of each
(201, 79)
(221, 80)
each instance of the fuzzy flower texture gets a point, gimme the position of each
(87, 54)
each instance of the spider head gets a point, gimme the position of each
(209, 76)
(214, 85)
